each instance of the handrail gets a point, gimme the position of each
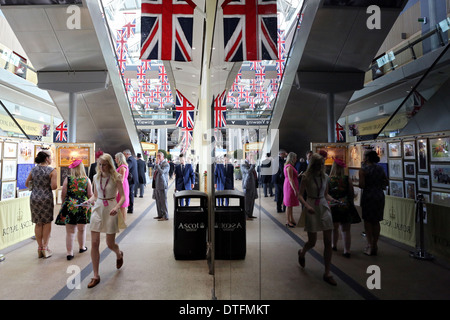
(409, 46)
(411, 92)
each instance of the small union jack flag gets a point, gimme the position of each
(184, 112)
(167, 29)
(61, 133)
(187, 139)
(250, 30)
(220, 111)
(129, 29)
(340, 133)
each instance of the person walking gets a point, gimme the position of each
(123, 170)
(372, 181)
(76, 189)
(105, 211)
(290, 188)
(142, 169)
(161, 184)
(340, 188)
(249, 182)
(266, 168)
(317, 212)
(184, 178)
(278, 181)
(42, 180)
(132, 177)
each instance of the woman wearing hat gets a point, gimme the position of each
(76, 189)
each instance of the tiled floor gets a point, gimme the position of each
(270, 270)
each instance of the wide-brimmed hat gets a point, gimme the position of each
(75, 163)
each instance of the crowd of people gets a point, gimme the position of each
(105, 197)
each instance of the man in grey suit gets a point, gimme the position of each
(249, 180)
(160, 185)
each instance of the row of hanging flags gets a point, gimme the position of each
(250, 33)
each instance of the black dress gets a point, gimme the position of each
(372, 199)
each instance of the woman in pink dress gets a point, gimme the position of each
(290, 188)
(122, 169)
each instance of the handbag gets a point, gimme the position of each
(354, 215)
(121, 221)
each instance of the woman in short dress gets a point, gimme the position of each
(76, 189)
(290, 188)
(123, 170)
(105, 210)
(372, 181)
(317, 212)
(42, 180)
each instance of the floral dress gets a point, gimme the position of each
(76, 194)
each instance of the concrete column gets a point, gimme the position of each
(331, 123)
(72, 118)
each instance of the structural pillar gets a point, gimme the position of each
(331, 124)
(72, 117)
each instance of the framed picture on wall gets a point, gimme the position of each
(441, 198)
(410, 169)
(396, 189)
(26, 153)
(409, 150)
(439, 149)
(410, 189)
(9, 149)
(354, 176)
(9, 169)
(440, 175)
(394, 149)
(354, 156)
(8, 190)
(422, 155)
(395, 169)
(67, 154)
(423, 182)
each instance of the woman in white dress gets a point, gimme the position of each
(104, 217)
(317, 212)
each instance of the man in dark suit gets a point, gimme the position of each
(132, 166)
(184, 178)
(229, 176)
(278, 180)
(142, 169)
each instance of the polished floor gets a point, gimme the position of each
(270, 270)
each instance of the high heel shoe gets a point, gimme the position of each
(40, 253)
(289, 225)
(47, 253)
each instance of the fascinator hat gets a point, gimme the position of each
(340, 163)
(75, 163)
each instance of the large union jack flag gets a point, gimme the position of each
(61, 133)
(220, 111)
(184, 112)
(250, 30)
(167, 29)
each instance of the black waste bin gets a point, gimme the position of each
(230, 227)
(190, 225)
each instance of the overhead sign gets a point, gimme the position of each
(259, 122)
(147, 122)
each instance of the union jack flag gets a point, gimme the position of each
(220, 111)
(184, 112)
(187, 139)
(61, 133)
(340, 133)
(129, 29)
(167, 29)
(121, 50)
(250, 30)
